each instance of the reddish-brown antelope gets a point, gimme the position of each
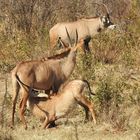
(86, 28)
(55, 107)
(43, 74)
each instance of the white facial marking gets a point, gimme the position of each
(103, 19)
(108, 21)
(112, 27)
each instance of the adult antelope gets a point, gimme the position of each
(86, 27)
(43, 74)
(55, 107)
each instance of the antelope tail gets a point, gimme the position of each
(20, 82)
(89, 87)
(31, 89)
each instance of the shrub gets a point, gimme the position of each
(115, 47)
(109, 96)
(135, 96)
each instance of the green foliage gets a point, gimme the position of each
(5, 66)
(113, 53)
(116, 47)
(135, 96)
(109, 93)
(85, 66)
(110, 100)
(22, 47)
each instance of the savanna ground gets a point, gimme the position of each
(112, 68)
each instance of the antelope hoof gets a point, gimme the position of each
(95, 122)
(25, 127)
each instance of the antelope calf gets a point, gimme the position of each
(55, 107)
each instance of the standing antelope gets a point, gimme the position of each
(42, 75)
(86, 27)
(55, 107)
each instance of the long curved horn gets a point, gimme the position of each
(62, 43)
(104, 6)
(106, 9)
(68, 36)
(76, 39)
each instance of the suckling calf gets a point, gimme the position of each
(59, 105)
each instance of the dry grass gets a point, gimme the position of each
(114, 122)
(112, 69)
(75, 130)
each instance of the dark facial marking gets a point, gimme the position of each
(106, 21)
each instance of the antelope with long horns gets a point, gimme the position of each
(86, 28)
(46, 74)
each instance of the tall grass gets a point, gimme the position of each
(22, 47)
(116, 47)
(112, 68)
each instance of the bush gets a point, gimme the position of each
(116, 47)
(109, 93)
(85, 67)
(110, 101)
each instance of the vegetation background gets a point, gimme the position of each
(113, 67)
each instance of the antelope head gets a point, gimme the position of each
(105, 19)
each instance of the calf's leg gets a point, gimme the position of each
(82, 100)
(86, 110)
(50, 119)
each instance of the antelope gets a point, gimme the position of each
(86, 27)
(47, 74)
(59, 105)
